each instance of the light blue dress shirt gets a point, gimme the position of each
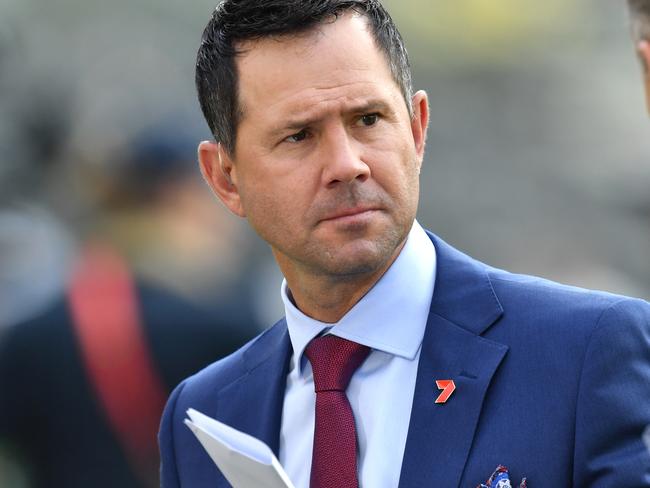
(390, 319)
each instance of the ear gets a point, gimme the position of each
(643, 51)
(420, 122)
(220, 173)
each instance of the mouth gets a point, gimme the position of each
(350, 214)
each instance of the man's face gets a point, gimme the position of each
(327, 161)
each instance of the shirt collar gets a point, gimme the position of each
(391, 317)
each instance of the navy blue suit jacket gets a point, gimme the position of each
(551, 381)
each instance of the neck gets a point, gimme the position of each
(328, 298)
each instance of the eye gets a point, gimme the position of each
(369, 119)
(297, 137)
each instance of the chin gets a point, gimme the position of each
(359, 259)
(354, 270)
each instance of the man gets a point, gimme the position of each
(319, 145)
(640, 11)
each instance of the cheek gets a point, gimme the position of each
(395, 166)
(273, 205)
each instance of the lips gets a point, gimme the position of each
(348, 212)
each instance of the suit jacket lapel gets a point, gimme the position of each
(440, 435)
(253, 402)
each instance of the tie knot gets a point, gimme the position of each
(333, 361)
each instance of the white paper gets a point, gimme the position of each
(245, 461)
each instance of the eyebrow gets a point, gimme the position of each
(369, 106)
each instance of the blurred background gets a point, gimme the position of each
(538, 161)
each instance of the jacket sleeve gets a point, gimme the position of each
(613, 404)
(168, 470)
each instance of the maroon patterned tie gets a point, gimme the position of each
(334, 460)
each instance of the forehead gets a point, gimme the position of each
(336, 61)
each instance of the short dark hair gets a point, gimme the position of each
(640, 12)
(234, 21)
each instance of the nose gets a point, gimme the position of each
(342, 162)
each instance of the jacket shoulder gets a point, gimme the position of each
(536, 295)
(223, 372)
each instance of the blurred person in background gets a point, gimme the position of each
(84, 380)
(640, 12)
